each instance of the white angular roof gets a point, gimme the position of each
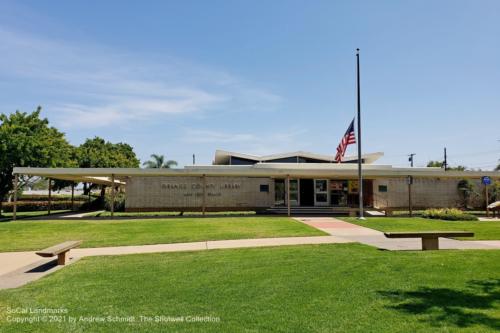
(222, 157)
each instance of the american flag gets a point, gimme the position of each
(347, 139)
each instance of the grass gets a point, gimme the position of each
(322, 288)
(489, 230)
(33, 235)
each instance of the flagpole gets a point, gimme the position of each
(360, 174)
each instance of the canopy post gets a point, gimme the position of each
(288, 195)
(14, 210)
(72, 196)
(204, 207)
(112, 195)
(50, 196)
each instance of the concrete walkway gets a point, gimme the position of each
(81, 215)
(19, 268)
(372, 237)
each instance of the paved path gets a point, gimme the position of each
(489, 219)
(19, 268)
(372, 237)
(80, 215)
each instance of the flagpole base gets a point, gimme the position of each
(361, 218)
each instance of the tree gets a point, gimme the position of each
(497, 168)
(98, 153)
(158, 161)
(435, 164)
(26, 140)
(466, 189)
(439, 164)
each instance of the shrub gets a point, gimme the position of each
(55, 197)
(465, 188)
(31, 206)
(119, 202)
(451, 214)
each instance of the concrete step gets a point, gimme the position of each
(309, 210)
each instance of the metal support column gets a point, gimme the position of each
(112, 195)
(204, 207)
(288, 194)
(72, 196)
(50, 197)
(14, 210)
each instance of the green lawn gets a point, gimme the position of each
(33, 235)
(482, 230)
(20, 215)
(322, 288)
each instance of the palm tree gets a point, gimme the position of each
(158, 161)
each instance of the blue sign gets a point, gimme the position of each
(486, 180)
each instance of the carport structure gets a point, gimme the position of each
(78, 176)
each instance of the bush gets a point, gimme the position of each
(55, 197)
(466, 190)
(450, 214)
(119, 202)
(32, 206)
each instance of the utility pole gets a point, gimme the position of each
(194, 159)
(445, 163)
(410, 158)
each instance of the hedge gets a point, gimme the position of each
(30, 206)
(451, 214)
(55, 197)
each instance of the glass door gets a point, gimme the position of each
(279, 192)
(321, 192)
(294, 192)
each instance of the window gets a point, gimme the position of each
(382, 188)
(264, 188)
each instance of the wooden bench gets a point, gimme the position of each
(430, 239)
(494, 207)
(59, 250)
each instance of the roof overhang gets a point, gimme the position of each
(274, 170)
(73, 175)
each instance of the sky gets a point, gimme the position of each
(188, 77)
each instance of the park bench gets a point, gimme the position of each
(430, 239)
(495, 208)
(59, 250)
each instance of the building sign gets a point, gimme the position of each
(353, 186)
(196, 188)
(486, 180)
(336, 185)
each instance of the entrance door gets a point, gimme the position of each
(294, 192)
(307, 192)
(321, 192)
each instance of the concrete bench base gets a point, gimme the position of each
(430, 239)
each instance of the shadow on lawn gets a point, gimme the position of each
(451, 306)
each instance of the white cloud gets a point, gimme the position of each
(251, 143)
(88, 85)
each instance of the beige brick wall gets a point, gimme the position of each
(426, 192)
(187, 192)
